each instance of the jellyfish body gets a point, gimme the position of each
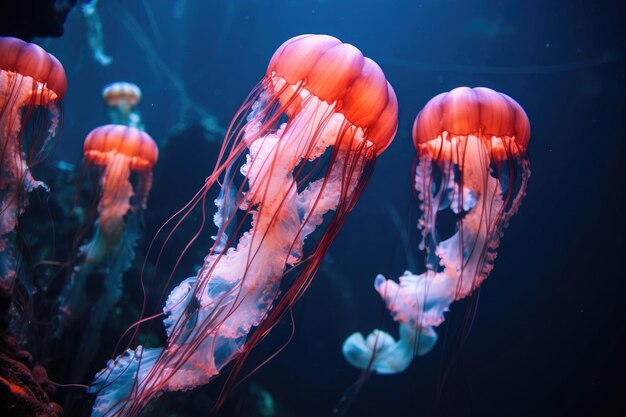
(381, 353)
(95, 34)
(121, 98)
(297, 158)
(118, 150)
(472, 166)
(114, 151)
(32, 84)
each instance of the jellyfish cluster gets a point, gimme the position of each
(298, 154)
(472, 162)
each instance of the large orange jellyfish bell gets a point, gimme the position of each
(472, 146)
(120, 149)
(338, 74)
(492, 116)
(23, 62)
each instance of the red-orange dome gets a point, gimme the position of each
(30, 60)
(466, 111)
(338, 72)
(108, 140)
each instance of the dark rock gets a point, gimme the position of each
(20, 392)
(26, 19)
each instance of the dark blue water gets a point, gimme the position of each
(548, 335)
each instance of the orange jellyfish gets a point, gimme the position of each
(117, 150)
(472, 146)
(32, 84)
(121, 98)
(114, 151)
(472, 160)
(296, 158)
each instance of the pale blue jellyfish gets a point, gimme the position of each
(95, 35)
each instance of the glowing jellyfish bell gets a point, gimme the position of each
(322, 68)
(29, 75)
(495, 118)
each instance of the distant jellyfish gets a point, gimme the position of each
(32, 84)
(114, 152)
(95, 34)
(298, 155)
(381, 353)
(122, 99)
(472, 167)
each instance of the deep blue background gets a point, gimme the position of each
(548, 339)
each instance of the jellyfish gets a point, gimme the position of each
(114, 152)
(32, 84)
(121, 98)
(296, 158)
(95, 35)
(471, 176)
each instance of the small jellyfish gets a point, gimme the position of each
(298, 155)
(32, 84)
(117, 150)
(471, 176)
(113, 151)
(121, 98)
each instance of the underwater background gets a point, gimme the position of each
(547, 338)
